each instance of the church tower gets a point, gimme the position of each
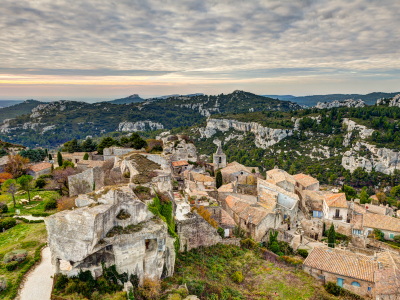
(219, 158)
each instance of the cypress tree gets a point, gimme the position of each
(50, 157)
(59, 159)
(86, 156)
(218, 179)
(331, 236)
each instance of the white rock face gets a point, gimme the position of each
(351, 126)
(47, 128)
(30, 125)
(182, 151)
(264, 136)
(345, 103)
(139, 126)
(297, 121)
(381, 159)
(395, 101)
(43, 108)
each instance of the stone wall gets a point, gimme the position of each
(232, 241)
(375, 244)
(216, 213)
(196, 232)
(82, 183)
(341, 227)
(247, 189)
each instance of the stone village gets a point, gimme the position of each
(115, 225)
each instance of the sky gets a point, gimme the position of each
(94, 49)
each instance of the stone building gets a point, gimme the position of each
(219, 158)
(388, 225)
(86, 182)
(306, 182)
(282, 179)
(200, 182)
(82, 238)
(177, 148)
(76, 156)
(39, 169)
(335, 207)
(112, 152)
(235, 171)
(354, 272)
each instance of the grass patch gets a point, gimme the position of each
(23, 236)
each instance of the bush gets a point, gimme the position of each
(50, 204)
(16, 255)
(3, 207)
(40, 183)
(274, 247)
(151, 288)
(3, 283)
(65, 203)
(237, 277)
(7, 223)
(302, 252)
(11, 266)
(396, 238)
(221, 232)
(333, 289)
(127, 175)
(249, 244)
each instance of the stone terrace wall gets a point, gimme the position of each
(82, 183)
(233, 241)
(196, 232)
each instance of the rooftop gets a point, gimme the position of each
(40, 166)
(278, 175)
(305, 180)
(226, 187)
(234, 167)
(201, 177)
(381, 222)
(342, 263)
(336, 200)
(226, 219)
(179, 163)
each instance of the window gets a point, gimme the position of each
(369, 289)
(391, 235)
(220, 160)
(357, 232)
(355, 283)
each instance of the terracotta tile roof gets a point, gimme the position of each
(389, 259)
(359, 209)
(305, 180)
(226, 219)
(342, 263)
(357, 222)
(278, 175)
(377, 209)
(40, 167)
(236, 204)
(179, 163)
(374, 197)
(226, 187)
(201, 177)
(257, 213)
(381, 222)
(234, 167)
(336, 200)
(271, 186)
(387, 282)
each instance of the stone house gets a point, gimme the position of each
(201, 182)
(39, 169)
(379, 209)
(306, 182)
(227, 223)
(311, 202)
(233, 171)
(388, 225)
(335, 207)
(282, 179)
(82, 238)
(178, 167)
(76, 156)
(387, 277)
(354, 272)
(254, 218)
(276, 198)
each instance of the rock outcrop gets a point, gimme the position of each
(81, 239)
(395, 101)
(381, 159)
(264, 136)
(344, 103)
(177, 148)
(139, 126)
(364, 132)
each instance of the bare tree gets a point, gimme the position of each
(17, 165)
(60, 178)
(80, 186)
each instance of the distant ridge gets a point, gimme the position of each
(312, 100)
(130, 99)
(7, 103)
(177, 95)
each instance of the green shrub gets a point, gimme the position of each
(40, 214)
(274, 247)
(71, 287)
(61, 282)
(249, 244)
(221, 232)
(40, 183)
(302, 252)
(334, 289)
(3, 283)
(7, 223)
(50, 204)
(3, 207)
(127, 174)
(237, 277)
(11, 266)
(16, 255)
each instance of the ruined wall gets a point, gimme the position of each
(84, 182)
(216, 213)
(341, 227)
(196, 232)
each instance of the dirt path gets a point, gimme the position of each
(38, 284)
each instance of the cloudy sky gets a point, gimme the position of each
(105, 49)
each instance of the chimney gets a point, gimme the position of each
(250, 219)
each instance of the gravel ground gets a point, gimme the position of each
(38, 284)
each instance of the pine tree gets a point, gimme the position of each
(218, 179)
(86, 156)
(331, 236)
(59, 159)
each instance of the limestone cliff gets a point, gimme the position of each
(264, 136)
(139, 126)
(395, 101)
(345, 103)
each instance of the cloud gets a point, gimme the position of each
(199, 39)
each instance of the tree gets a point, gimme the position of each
(17, 165)
(25, 183)
(364, 197)
(86, 156)
(40, 183)
(59, 158)
(88, 145)
(4, 176)
(331, 236)
(50, 157)
(395, 191)
(105, 143)
(349, 191)
(72, 146)
(10, 186)
(359, 174)
(381, 197)
(218, 179)
(60, 178)
(137, 141)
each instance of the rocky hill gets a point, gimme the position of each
(19, 109)
(130, 99)
(342, 144)
(51, 124)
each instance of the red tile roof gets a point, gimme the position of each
(305, 180)
(40, 166)
(226, 219)
(179, 163)
(336, 200)
(381, 222)
(342, 263)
